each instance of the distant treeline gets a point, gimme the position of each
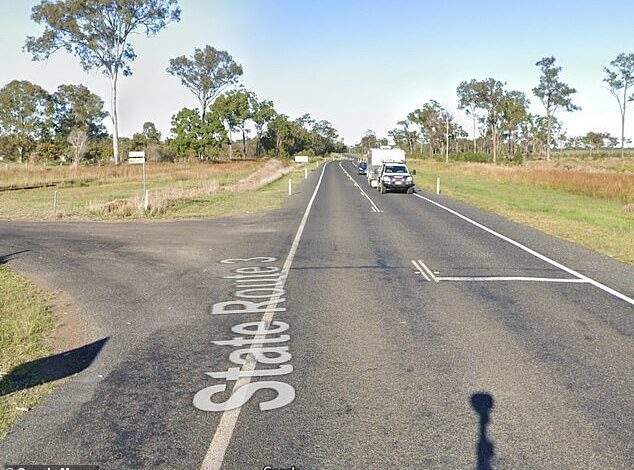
(67, 125)
(501, 122)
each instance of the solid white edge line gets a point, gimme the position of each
(420, 270)
(601, 286)
(220, 442)
(360, 189)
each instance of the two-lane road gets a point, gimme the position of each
(405, 331)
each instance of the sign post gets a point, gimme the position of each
(138, 158)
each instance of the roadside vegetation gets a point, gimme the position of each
(26, 322)
(175, 189)
(592, 208)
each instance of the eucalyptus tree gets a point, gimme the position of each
(514, 112)
(369, 141)
(263, 115)
(98, 33)
(235, 109)
(436, 123)
(467, 101)
(554, 95)
(620, 78)
(206, 74)
(194, 136)
(76, 107)
(25, 112)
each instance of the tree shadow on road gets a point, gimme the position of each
(482, 403)
(50, 368)
(6, 258)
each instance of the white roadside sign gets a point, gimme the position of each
(136, 158)
(301, 159)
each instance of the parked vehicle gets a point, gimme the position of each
(362, 168)
(376, 159)
(396, 177)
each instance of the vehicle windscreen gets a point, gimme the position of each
(363, 165)
(395, 169)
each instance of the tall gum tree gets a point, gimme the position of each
(554, 95)
(620, 78)
(206, 73)
(98, 33)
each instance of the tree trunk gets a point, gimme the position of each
(244, 144)
(494, 143)
(623, 122)
(475, 147)
(549, 125)
(115, 120)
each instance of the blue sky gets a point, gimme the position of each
(359, 64)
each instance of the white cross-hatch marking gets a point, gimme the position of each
(220, 442)
(374, 208)
(589, 280)
(420, 270)
(514, 278)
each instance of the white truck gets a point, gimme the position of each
(376, 159)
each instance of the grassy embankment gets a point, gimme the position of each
(175, 190)
(589, 202)
(179, 190)
(26, 322)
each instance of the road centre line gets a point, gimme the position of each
(420, 269)
(552, 262)
(220, 442)
(374, 206)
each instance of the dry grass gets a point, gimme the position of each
(161, 200)
(118, 188)
(604, 185)
(23, 176)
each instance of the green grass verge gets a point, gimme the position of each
(598, 224)
(26, 321)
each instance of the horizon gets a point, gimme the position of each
(340, 62)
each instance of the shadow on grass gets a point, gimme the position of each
(50, 368)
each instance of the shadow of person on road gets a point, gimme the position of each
(50, 368)
(5, 258)
(485, 450)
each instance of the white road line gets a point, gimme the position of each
(376, 209)
(515, 278)
(601, 286)
(420, 269)
(220, 442)
(431, 274)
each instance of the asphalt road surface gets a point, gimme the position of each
(348, 329)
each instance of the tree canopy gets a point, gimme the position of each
(98, 32)
(206, 73)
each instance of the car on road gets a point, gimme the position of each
(396, 177)
(362, 168)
